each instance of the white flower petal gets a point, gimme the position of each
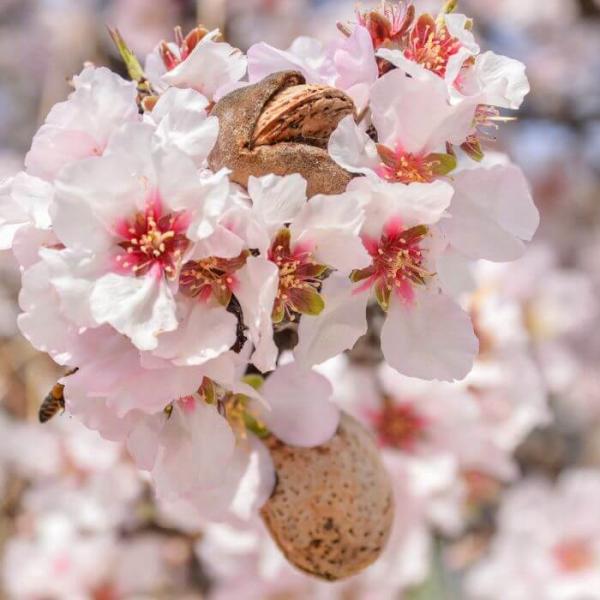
(204, 333)
(301, 412)
(180, 115)
(431, 338)
(139, 307)
(210, 66)
(416, 115)
(277, 200)
(256, 289)
(414, 204)
(340, 324)
(352, 148)
(356, 66)
(196, 447)
(306, 55)
(257, 484)
(492, 213)
(329, 225)
(502, 80)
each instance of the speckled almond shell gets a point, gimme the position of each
(238, 115)
(331, 511)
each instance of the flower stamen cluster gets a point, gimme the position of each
(152, 239)
(397, 263)
(211, 277)
(300, 277)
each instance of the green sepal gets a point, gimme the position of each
(278, 312)
(383, 294)
(254, 380)
(134, 68)
(361, 274)
(442, 164)
(472, 148)
(308, 301)
(255, 426)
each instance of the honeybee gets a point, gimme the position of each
(54, 402)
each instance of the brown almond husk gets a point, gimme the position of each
(332, 508)
(281, 125)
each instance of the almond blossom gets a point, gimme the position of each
(426, 334)
(130, 214)
(547, 541)
(172, 294)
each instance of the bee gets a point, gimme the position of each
(54, 402)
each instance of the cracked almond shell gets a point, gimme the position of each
(332, 508)
(281, 125)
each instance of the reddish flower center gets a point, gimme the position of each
(404, 167)
(387, 24)
(397, 263)
(184, 44)
(299, 279)
(481, 487)
(574, 555)
(399, 426)
(211, 277)
(153, 240)
(431, 45)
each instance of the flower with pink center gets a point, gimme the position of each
(387, 24)
(398, 426)
(297, 242)
(397, 262)
(131, 216)
(548, 541)
(414, 121)
(431, 45)
(425, 334)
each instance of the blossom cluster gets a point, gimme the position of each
(169, 288)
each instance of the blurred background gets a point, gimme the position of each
(77, 521)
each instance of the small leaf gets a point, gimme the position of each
(254, 380)
(383, 293)
(449, 7)
(387, 155)
(414, 233)
(361, 274)
(222, 293)
(129, 58)
(278, 311)
(255, 426)
(472, 148)
(307, 301)
(282, 239)
(442, 164)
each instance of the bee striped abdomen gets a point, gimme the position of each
(53, 403)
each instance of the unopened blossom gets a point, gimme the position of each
(547, 543)
(202, 61)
